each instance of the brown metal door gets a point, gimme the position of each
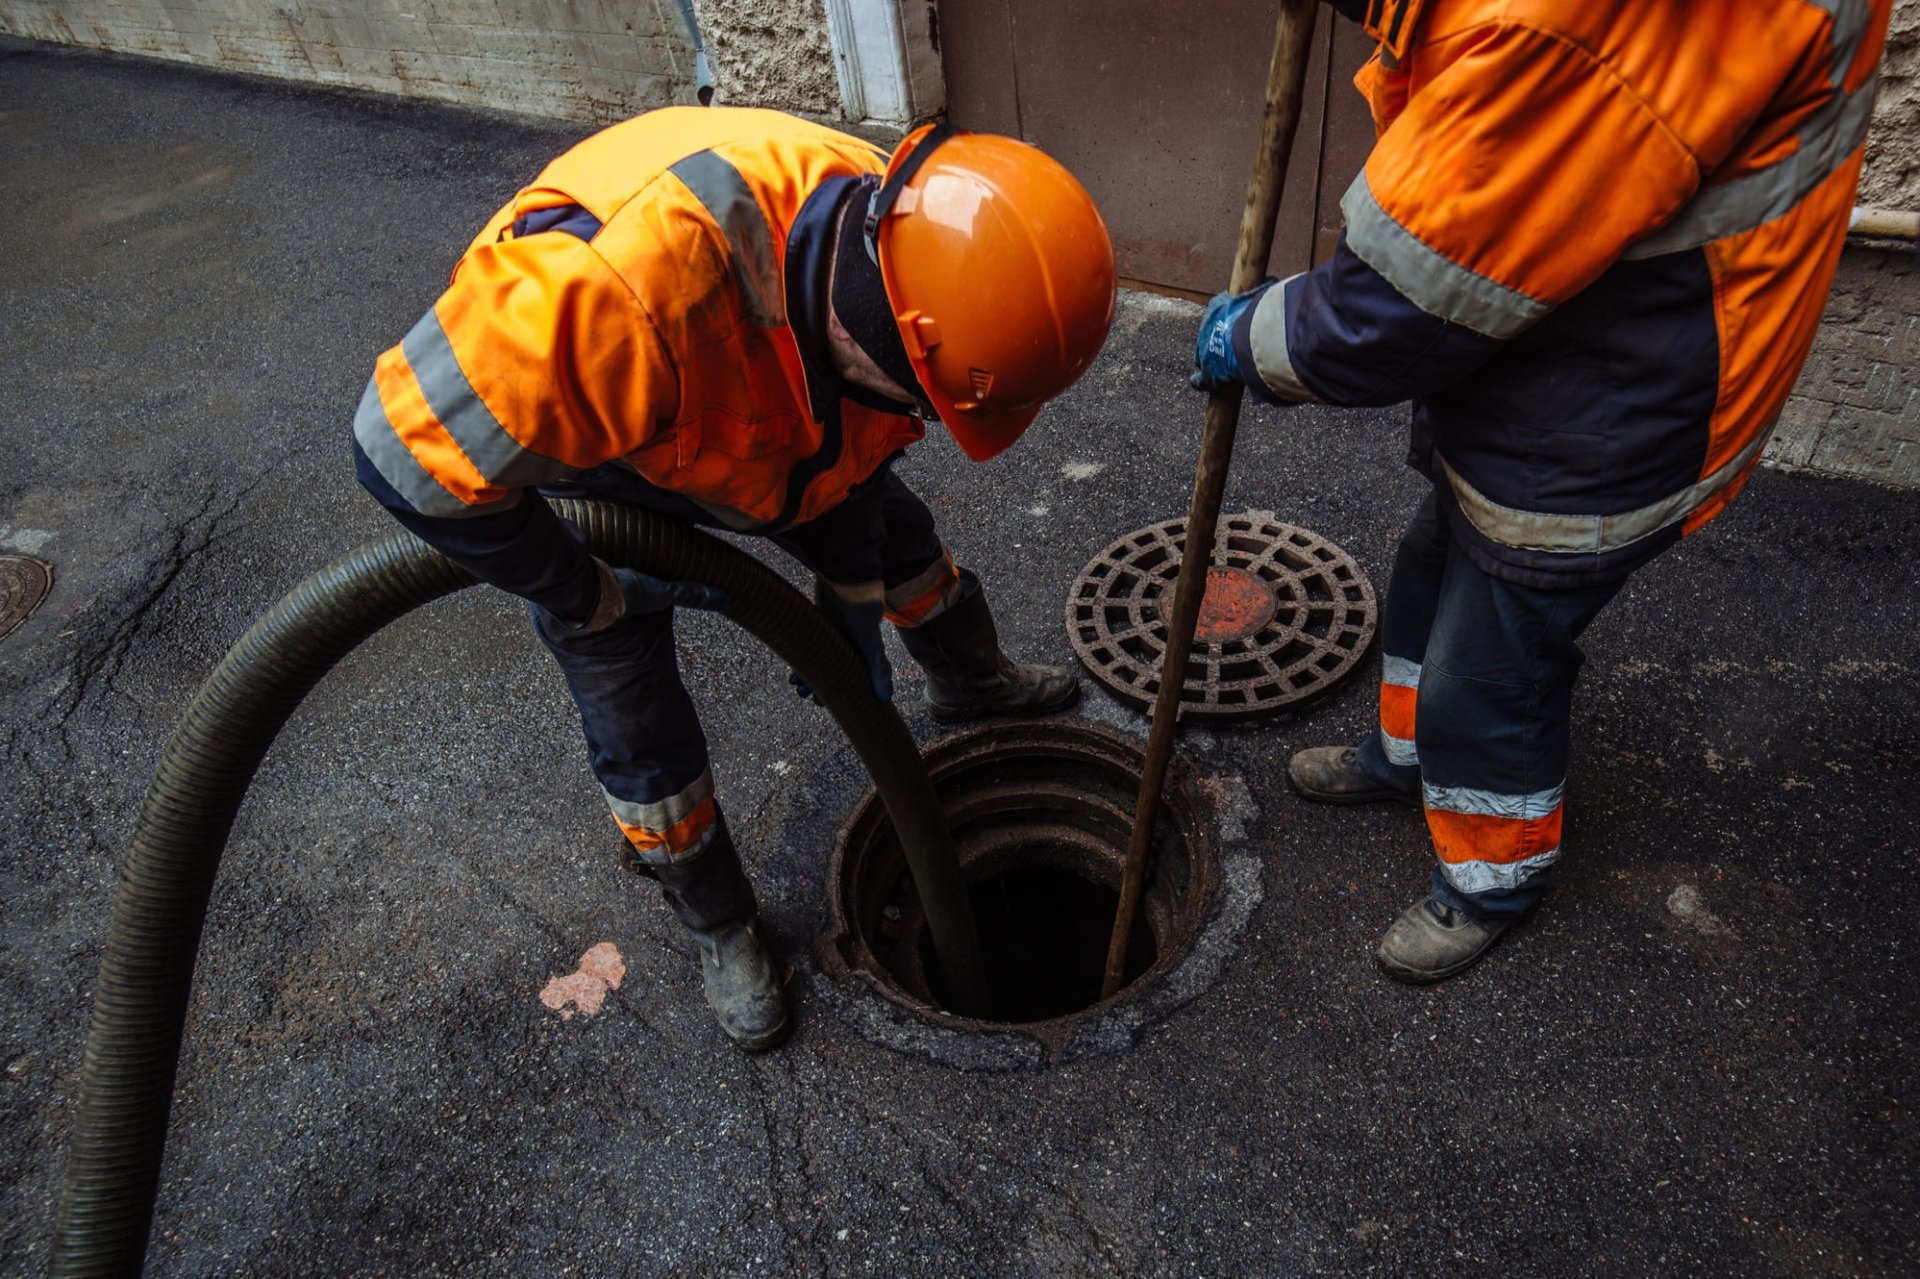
(1156, 107)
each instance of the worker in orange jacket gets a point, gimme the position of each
(1591, 244)
(740, 319)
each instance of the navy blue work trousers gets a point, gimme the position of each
(1476, 698)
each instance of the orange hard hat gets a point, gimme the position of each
(1000, 275)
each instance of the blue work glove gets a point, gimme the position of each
(1214, 364)
(626, 590)
(860, 623)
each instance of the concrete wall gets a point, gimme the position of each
(581, 59)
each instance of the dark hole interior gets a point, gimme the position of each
(1044, 931)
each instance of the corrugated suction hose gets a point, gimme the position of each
(146, 970)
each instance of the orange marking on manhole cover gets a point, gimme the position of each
(1236, 604)
(601, 969)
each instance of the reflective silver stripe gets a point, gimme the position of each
(661, 815)
(1850, 19)
(1398, 750)
(1428, 278)
(1399, 672)
(1481, 877)
(500, 459)
(1827, 138)
(719, 186)
(1591, 534)
(872, 591)
(1267, 338)
(941, 570)
(1486, 803)
(400, 468)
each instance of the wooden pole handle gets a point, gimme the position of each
(1286, 85)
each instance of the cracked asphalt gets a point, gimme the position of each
(1699, 1056)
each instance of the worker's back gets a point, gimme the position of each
(631, 303)
(1644, 205)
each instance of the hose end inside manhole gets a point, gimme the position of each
(1041, 814)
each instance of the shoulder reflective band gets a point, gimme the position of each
(882, 202)
(730, 202)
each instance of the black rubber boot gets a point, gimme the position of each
(711, 895)
(969, 678)
(1432, 941)
(1330, 775)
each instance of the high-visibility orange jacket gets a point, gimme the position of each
(1592, 243)
(631, 307)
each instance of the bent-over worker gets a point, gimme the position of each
(738, 318)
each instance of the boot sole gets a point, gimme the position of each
(969, 715)
(1351, 799)
(763, 1042)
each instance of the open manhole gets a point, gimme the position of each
(24, 582)
(1286, 616)
(1041, 815)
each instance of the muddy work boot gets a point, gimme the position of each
(1432, 941)
(1334, 775)
(710, 894)
(743, 986)
(969, 678)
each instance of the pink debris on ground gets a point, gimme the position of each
(601, 969)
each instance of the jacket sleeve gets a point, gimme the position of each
(536, 363)
(1506, 185)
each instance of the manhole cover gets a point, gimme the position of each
(23, 584)
(1287, 615)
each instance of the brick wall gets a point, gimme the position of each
(1856, 411)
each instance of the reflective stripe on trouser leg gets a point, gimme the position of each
(1413, 594)
(927, 594)
(1496, 693)
(921, 578)
(887, 521)
(643, 735)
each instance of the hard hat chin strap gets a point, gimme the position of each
(882, 202)
(859, 298)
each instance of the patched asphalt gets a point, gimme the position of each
(1700, 1055)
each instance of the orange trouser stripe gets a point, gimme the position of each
(683, 836)
(1469, 837)
(924, 605)
(1396, 710)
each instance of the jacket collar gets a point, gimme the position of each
(809, 266)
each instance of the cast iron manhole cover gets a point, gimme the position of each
(23, 584)
(1287, 615)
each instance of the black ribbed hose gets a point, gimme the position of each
(146, 971)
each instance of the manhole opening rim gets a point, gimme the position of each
(842, 949)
